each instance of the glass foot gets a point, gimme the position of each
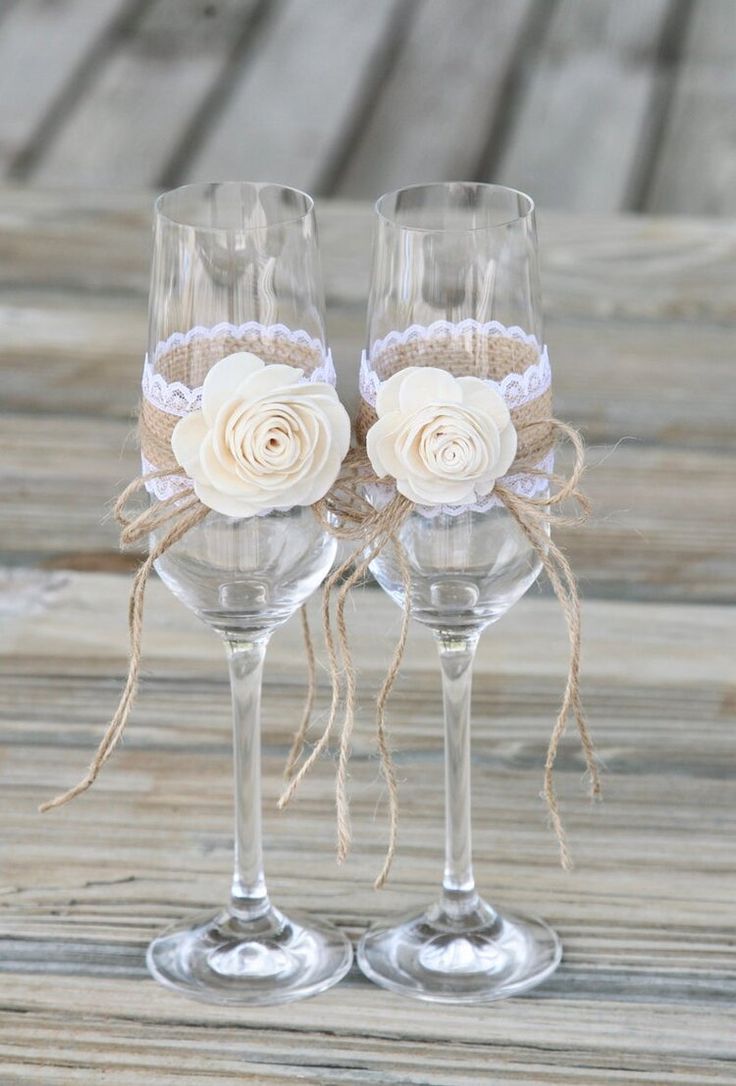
(270, 959)
(483, 956)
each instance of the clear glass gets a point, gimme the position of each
(241, 253)
(456, 252)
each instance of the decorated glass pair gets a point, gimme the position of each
(446, 497)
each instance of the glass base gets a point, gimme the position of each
(477, 958)
(269, 959)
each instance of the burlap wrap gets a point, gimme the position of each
(474, 354)
(190, 363)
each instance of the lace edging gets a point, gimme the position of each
(525, 484)
(517, 389)
(455, 329)
(201, 331)
(177, 398)
(166, 487)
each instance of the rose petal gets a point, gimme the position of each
(387, 399)
(337, 417)
(215, 473)
(413, 388)
(507, 454)
(325, 477)
(230, 504)
(423, 385)
(315, 486)
(485, 398)
(271, 378)
(274, 441)
(436, 493)
(223, 379)
(325, 404)
(186, 439)
(381, 445)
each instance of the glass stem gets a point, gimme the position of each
(457, 653)
(249, 897)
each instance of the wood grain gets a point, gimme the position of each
(638, 544)
(292, 106)
(641, 332)
(646, 990)
(590, 104)
(83, 355)
(594, 266)
(695, 171)
(42, 48)
(141, 104)
(581, 124)
(448, 83)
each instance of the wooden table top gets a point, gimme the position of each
(641, 332)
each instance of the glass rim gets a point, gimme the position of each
(203, 186)
(484, 185)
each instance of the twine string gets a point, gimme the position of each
(350, 517)
(384, 749)
(184, 518)
(300, 735)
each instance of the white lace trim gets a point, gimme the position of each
(168, 486)
(171, 397)
(517, 389)
(524, 484)
(237, 331)
(455, 330)
(176, 398)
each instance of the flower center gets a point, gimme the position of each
(451, 446)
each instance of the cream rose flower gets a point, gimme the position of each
(264, 439)
(444, 439)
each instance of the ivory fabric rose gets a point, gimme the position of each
(264, 439)
(445, 440)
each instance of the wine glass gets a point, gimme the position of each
(236, 269)
(455, 286)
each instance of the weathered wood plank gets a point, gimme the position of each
(646, 990)
(575, 137)
(619, 266)
(433, 113)
(696, 166)
(382, 1054)
(42, 46)
(292, 106)
(98, 242)
(139, 106)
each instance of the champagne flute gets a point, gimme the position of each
(455, 286)
(236, 269)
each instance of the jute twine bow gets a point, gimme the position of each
(169, 519)
(351, 517)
